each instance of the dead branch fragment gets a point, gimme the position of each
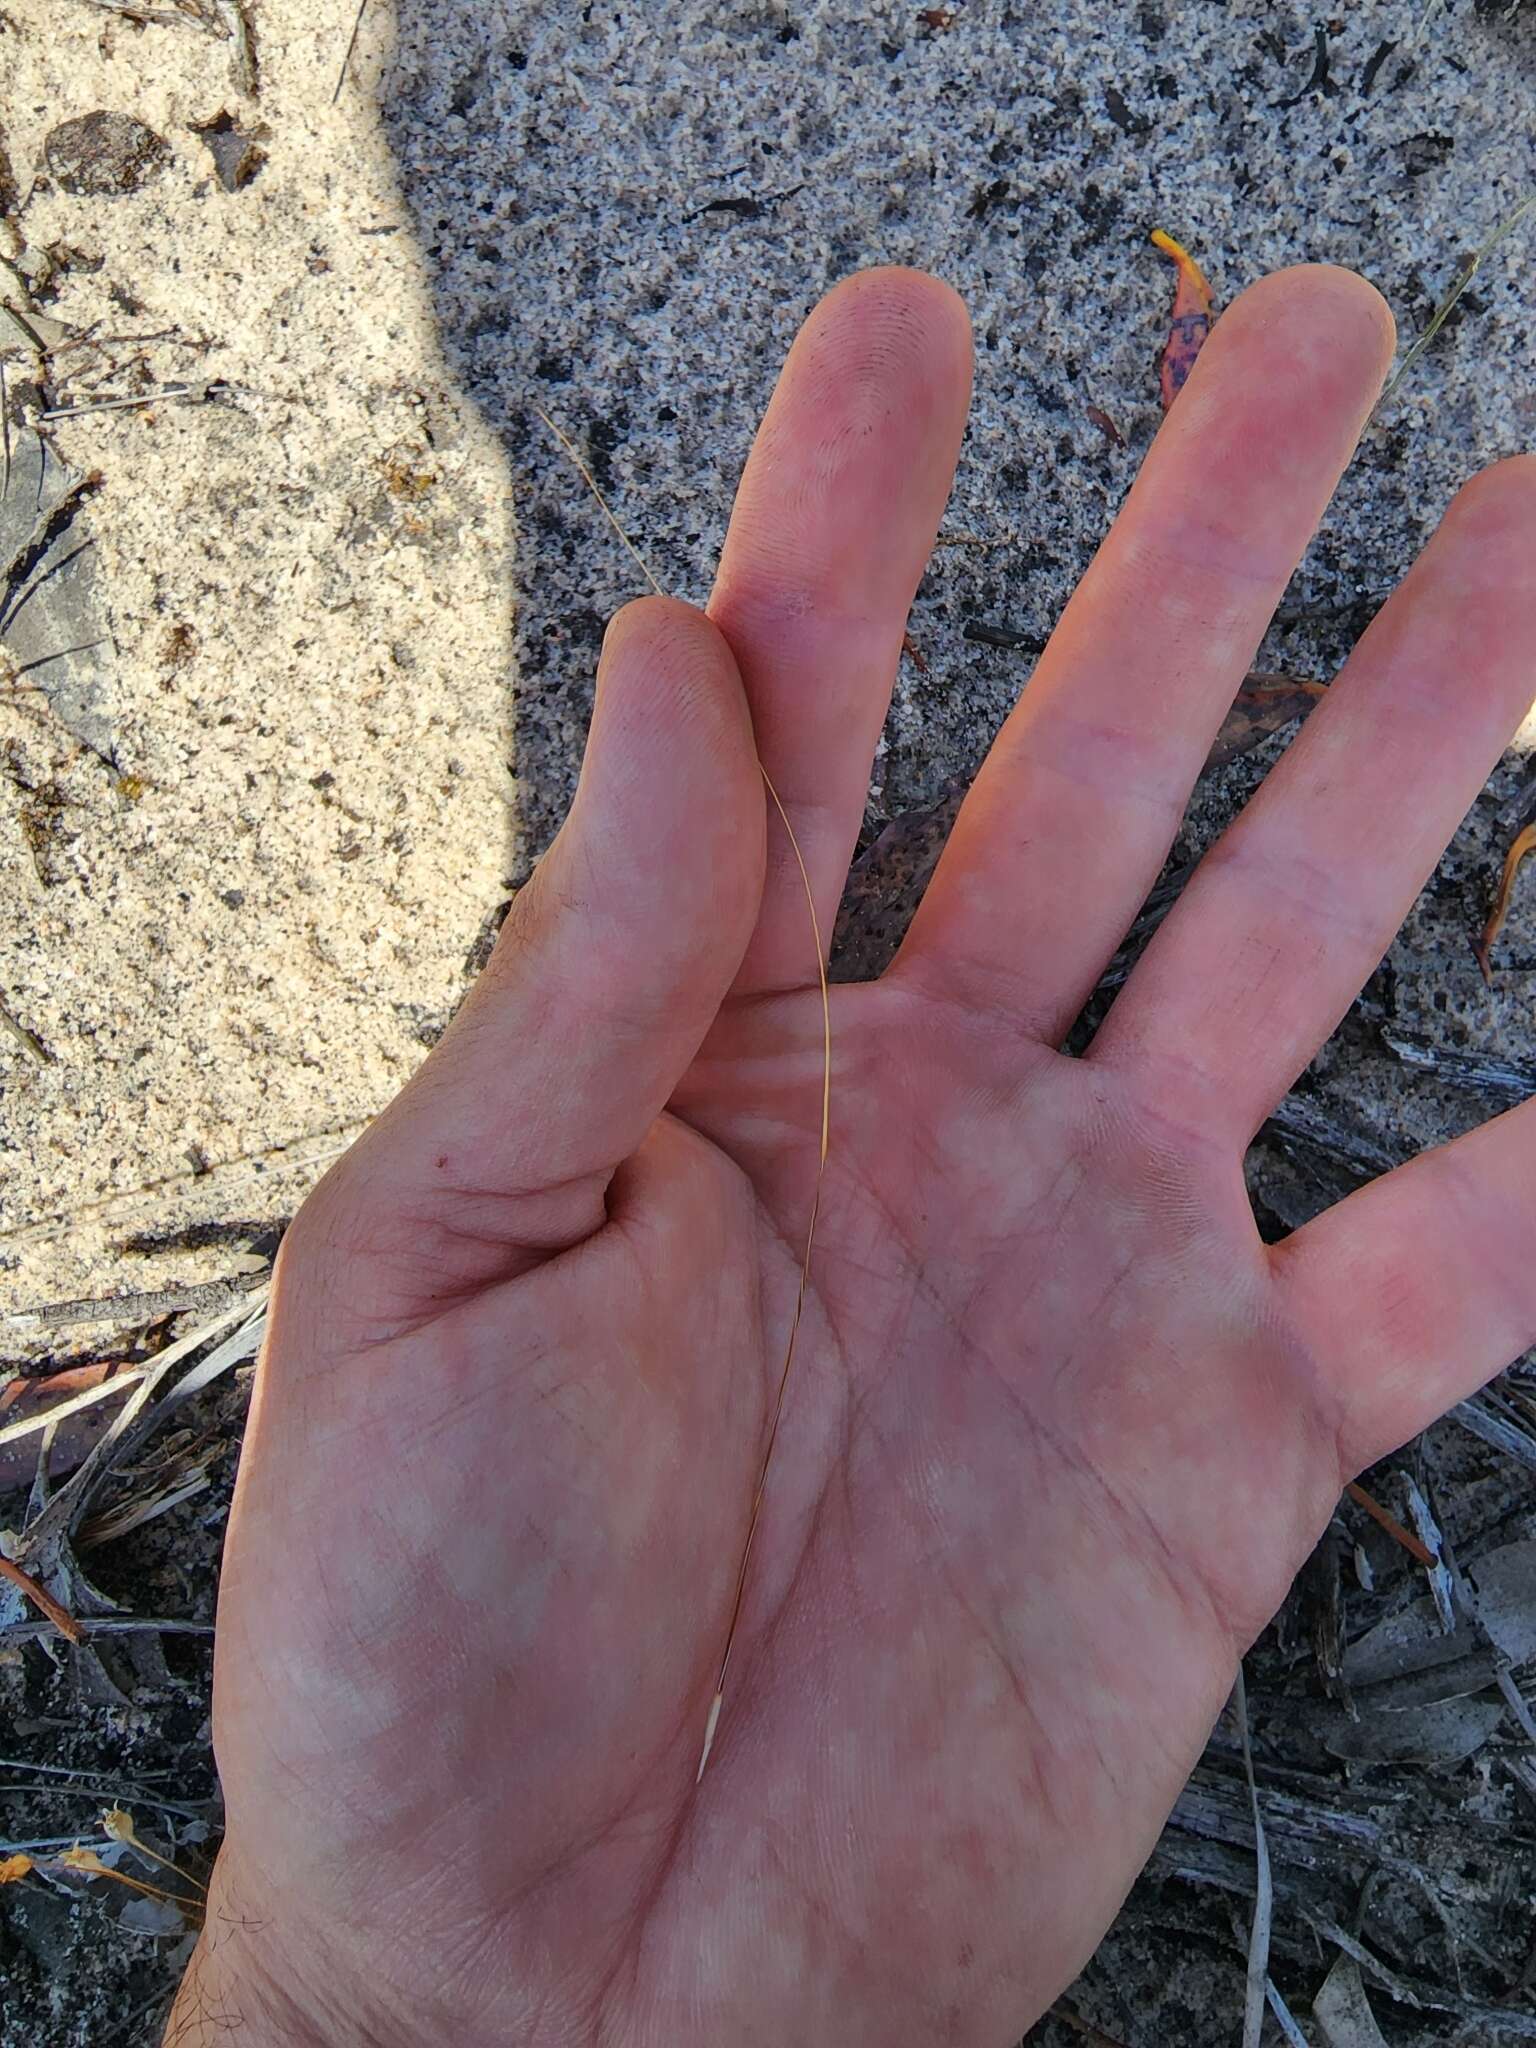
(42, 1600)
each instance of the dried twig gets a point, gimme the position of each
(41, 1599)
(33, 1047)
(109, 1625)
(1442, 1582)
(1503, 1081)
(197, 392)
(1388, 1521)
(133, 1308)
(99, 1787)
(1303, 1124)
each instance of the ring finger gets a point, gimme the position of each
(1294, 906)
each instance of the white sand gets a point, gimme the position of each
(309, 579)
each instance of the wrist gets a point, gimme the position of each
(248, 1980)
(221, 1993)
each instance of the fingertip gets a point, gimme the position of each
(1486, 543)
(1500, 498)
(1322, 310)
(907, 325)
(657, 618)
(671, 760)
(665, 663)
(900, 285)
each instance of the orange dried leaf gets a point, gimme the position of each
(1483, 947)
(1190, 321)
(14, 1868)
(1261, 707)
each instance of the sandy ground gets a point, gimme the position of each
(233, 920)
(343, 597)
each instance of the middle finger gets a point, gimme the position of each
(1076, 806)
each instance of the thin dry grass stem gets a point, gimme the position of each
(1420, 1552)
(1447, 305)
(718, 1701)
(590, 481)
(75, 412)
(133, 1514)
(103, 1390)
(283, 1158)
(1284, 2018)
(755, 1515)
(30, 1045)
(346, 62)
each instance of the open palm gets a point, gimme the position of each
(1060, 1428)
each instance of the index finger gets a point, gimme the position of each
(832, 526)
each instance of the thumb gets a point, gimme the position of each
(608, 972)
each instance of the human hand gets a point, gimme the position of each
(1061, 1427)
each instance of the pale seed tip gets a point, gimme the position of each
(709, 1733)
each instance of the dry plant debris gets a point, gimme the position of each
(224, 18)
(1483, 945)
(43, 1568)
(1190, 321)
